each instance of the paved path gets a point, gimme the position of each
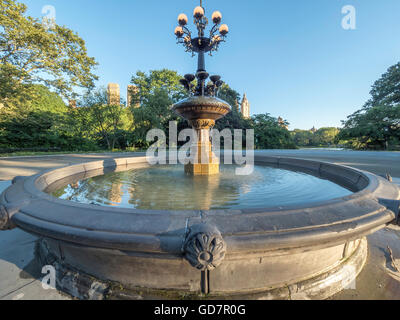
(19, 273)
(376, 162)
(27, 166)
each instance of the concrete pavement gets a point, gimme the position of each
(30, 165)
(378, 162)
(19, 273)
(374, 161)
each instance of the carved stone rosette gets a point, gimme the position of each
(204, 247)
(4, 219)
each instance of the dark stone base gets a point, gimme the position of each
(83, 286)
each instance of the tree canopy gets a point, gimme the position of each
(377, 124)
(386, 90)
(46, 122)
(322, 137)
(39, 123)
(107, 123)
(376, 127)
(233, 120)
(32, 53)
(270, 134)
(157, 81)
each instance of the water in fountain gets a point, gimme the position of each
(169, 188)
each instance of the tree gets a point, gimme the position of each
(45, 100)
(374, 128)
(29, 130)
(229, 95)
(41, 124)
(324, 136)
(109, 122)
(302, 138)
(155, 81)
(153, 113)
(269, 134)
(157, 92)
(30, 53)
(233, 120)
(377, 124)
(386, 90)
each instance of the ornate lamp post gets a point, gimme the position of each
(202, 108)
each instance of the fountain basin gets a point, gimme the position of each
(175, 190)
(306, 251)
(203, 109)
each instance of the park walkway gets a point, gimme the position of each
(376, 162)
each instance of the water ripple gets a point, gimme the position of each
(168, 188)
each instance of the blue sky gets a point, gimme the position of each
(291, 57)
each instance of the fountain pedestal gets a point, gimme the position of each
(203, 160)
(202, 112)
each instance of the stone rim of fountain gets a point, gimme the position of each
(25, 193)
(246, 234)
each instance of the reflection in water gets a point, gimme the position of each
(168, 188)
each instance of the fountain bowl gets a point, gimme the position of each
(297, 252)
(202, 108)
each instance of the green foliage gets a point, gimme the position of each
(377, 124)
(372, 128)
(46, 122)
(323, 137)
(229, 95)
(46, 101)
(32, 129)
(157, 92)
(270, 134)
(41, 123)
(108, 123)
(157, 81)
(233, 120)
(154, 113)
(386, 90)
(302, 138)
(32, 53)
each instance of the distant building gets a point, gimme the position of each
(131, 92)
(245, 107)
(113, 94)
(282, 123)
(313, 130)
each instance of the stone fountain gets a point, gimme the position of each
(202, 108)
(299, 251)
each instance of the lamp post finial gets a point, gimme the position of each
(201, 44)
